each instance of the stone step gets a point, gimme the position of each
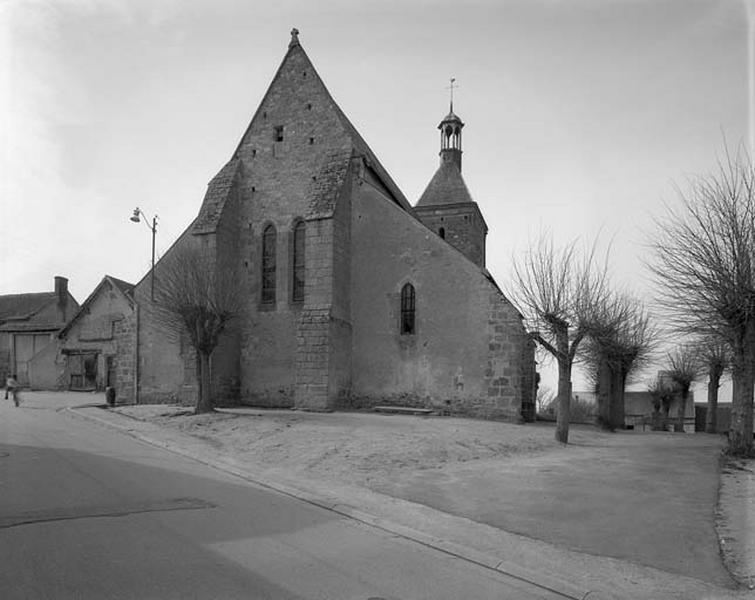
(404, 410)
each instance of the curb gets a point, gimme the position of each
(547, 583)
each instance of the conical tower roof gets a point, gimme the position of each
(446, 187)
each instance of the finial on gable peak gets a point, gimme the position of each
(294, 38)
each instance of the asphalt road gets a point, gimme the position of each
(86, 512)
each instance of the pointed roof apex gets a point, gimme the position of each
(294, 38)
(450, 117)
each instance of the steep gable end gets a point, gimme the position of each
(108, 283)
(298, 116)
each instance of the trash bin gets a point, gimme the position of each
(110, 396)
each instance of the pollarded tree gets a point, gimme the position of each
(704, 268)
(621, 340)
(197, 299)
(683, 370)
(558, 290)
(715, 358)
(662, 394)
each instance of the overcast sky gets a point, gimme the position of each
(580, 115)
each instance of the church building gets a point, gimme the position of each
(353, 296)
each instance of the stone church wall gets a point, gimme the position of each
(466, 354)
(277, 189)
(162, 359)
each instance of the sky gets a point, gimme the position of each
(580, 115)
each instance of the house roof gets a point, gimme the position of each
(23, 306)
(125, 288)
(446, 187)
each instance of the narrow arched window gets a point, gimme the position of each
(268, 265)
(442, 233)
(408, 313)
(297, 290)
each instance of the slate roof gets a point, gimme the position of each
(124, 286)
(446, 187)
(23, 306)
(324, 190)
(218, 192)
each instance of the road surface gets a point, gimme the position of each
(87, 512)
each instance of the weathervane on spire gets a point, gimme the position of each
(451, 87)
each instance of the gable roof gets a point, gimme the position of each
(124, 286)
(23, 306)
(126, 289)
(446, 187)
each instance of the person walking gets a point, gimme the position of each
(11, 385)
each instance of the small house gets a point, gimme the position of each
(28, 327)
(95, 345)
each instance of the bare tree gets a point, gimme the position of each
(683, 370)
(621, 339)
(704, 267)
(195, 298)
(558, 290)
(715, 357)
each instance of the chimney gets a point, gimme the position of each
(61, 291)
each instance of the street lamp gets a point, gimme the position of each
(135, 218)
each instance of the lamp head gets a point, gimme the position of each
(135, 217)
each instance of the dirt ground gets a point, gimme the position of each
(366, 448)
(649, 498)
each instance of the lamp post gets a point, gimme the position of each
(136, 219)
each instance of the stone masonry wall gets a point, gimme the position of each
(280, 177)
(509, 373)
(463, 227)
(466, 354)
(124, 338)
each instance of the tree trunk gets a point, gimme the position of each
(711, 415)
(204, 401)
(740, 431)
(603, 418)
(656, 420)
(683, 398)
(564, 401)
(198, 375)
(665, 420)
(617, 401)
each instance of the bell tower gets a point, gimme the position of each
(446, 207)
(450, 138)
